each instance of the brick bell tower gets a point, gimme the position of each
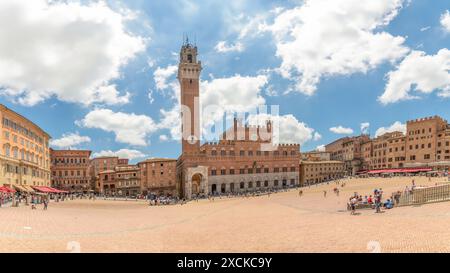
(189, 71)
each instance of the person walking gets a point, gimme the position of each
(352, 206)
(45, 204)
(377, 203)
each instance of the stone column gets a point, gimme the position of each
(188, 188)
(204, 185)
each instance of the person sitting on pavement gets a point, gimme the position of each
(365, 200)
(388, 204)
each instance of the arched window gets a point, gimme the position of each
(6, 147)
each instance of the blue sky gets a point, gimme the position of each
(277, 52)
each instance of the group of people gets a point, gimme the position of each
(375, 201)
(18, 199)
(5, 198)
(164, 200)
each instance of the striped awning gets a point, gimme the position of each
(29, 188)
(20, 188)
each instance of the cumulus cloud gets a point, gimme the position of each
(445, 20)
(224, 47)
(162, 76)
(163, 138)
(290, 129)
(317, 136)
(395, 127)
(320, 148)
(123, 153)
(341, 130)
(171, 120)
(323, 38)
(69, 141)
(237, 94)
(421, 73)
(129, 128)
(68, 50)
(365, 127)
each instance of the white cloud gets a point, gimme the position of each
(67, 50)
(163, 138)
(321, 148)
(128, 128)
(271, 92)
(162, 76)
(223, 47)
(396, 127)
(69, 141)
(445, 20)
(317, 136)
(325, 38)
(236, 94)
(171, 120)
(421, 73)
(290, 129)
(250, 26)
(341, 130)
(123, 153)
(151, 99)
(365, 127)
(425, 28)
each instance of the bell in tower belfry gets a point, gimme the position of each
(189, 71)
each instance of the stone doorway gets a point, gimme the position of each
(196, 184)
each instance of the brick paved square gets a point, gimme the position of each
(283, 222)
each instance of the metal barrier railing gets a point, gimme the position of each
(425, 195)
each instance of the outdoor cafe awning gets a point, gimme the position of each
(411, 170)
(21, 188)
(29, 188)
(47, 190)
(5, 189)
(42, 189)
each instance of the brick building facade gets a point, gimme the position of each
(123, 180)
(103, 164)
(426, 144)
(242, 160)
(70, 170)
(348, 150)
(158, 176)
(313, 172)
